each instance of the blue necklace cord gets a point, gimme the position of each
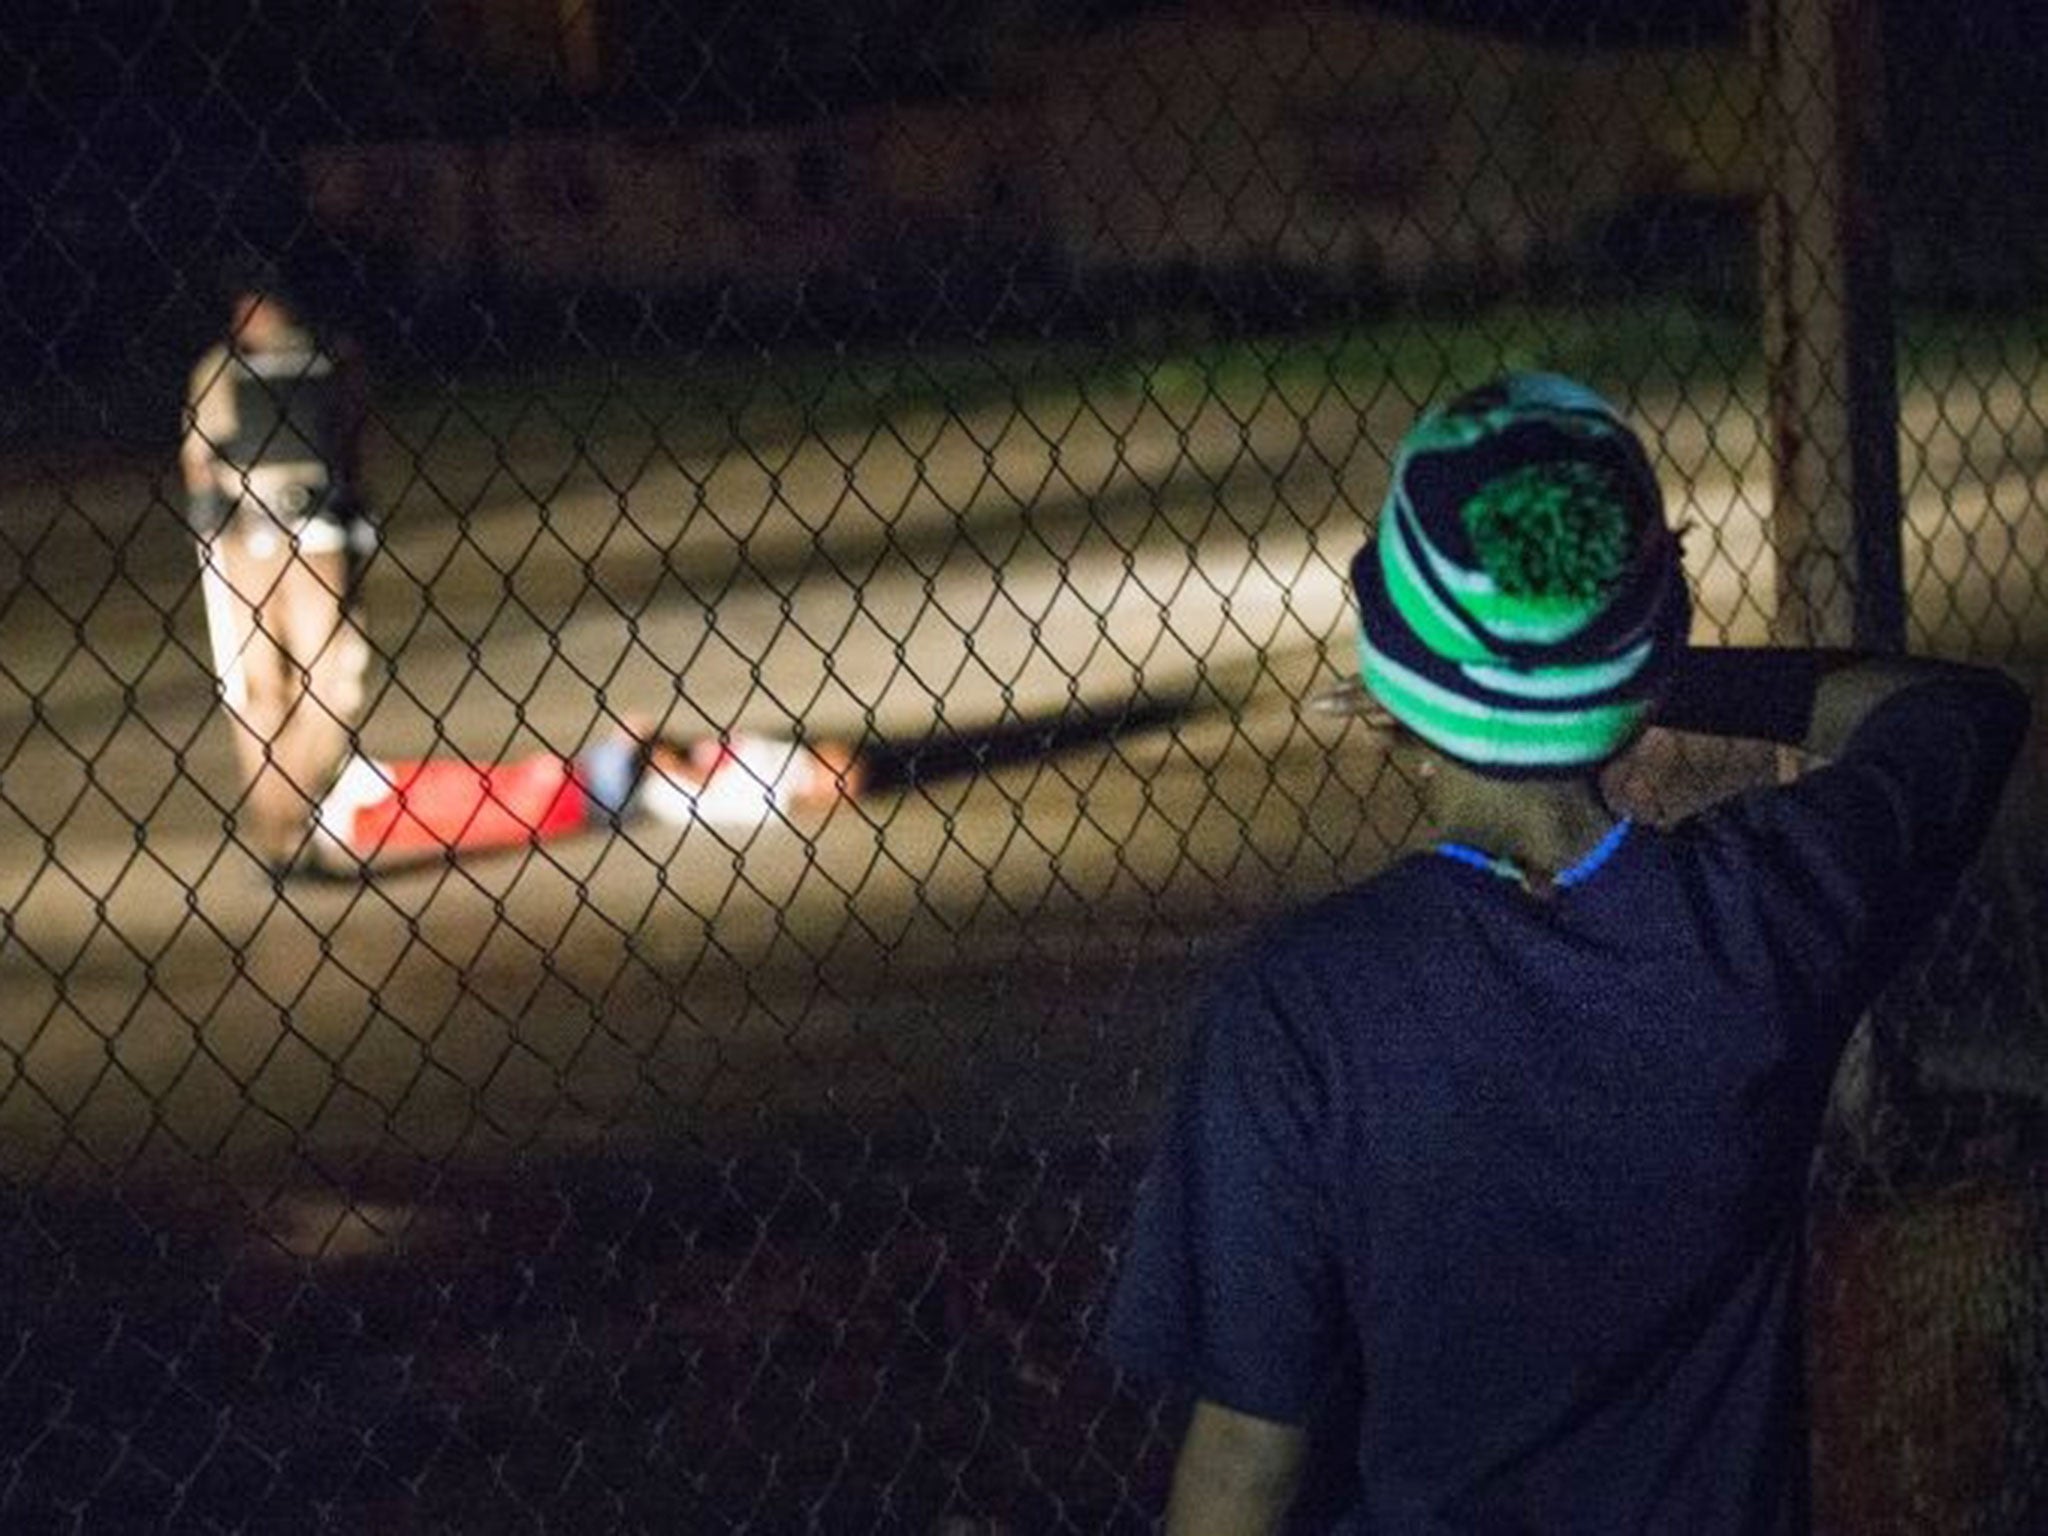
(1575, 873)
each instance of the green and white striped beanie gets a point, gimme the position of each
(1522, 599)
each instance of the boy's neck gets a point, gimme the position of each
(1542, 825)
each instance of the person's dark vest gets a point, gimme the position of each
(287, 413)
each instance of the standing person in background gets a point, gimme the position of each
(1499, 1159)
(272, 427)
(273, 424)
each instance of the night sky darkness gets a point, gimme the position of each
(234, 69)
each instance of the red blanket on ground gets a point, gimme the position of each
(447, 805)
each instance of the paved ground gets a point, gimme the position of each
(944, 576)
(953, 979)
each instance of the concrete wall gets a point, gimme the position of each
(1332, 141)
(1363, 145)
(759, 208)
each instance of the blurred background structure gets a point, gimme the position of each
(1004, 384)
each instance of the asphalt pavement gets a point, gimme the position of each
(1005, 937)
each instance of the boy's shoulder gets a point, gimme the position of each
(1360, 925)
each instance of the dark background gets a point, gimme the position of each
(839, 1291)
(148, 147)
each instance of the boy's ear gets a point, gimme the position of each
(1427, 758)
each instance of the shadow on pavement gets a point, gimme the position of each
(900, 765)
(799, 1339)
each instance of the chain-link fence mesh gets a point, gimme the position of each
(1002, 392)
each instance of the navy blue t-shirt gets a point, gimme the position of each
(1513, 1189)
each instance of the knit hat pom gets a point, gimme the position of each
(1555, 530)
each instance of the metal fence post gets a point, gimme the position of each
(1829, 359)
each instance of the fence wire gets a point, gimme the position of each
(844, 512)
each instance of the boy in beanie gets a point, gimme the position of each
(1492, 1168)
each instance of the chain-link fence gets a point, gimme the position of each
(935, 441)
